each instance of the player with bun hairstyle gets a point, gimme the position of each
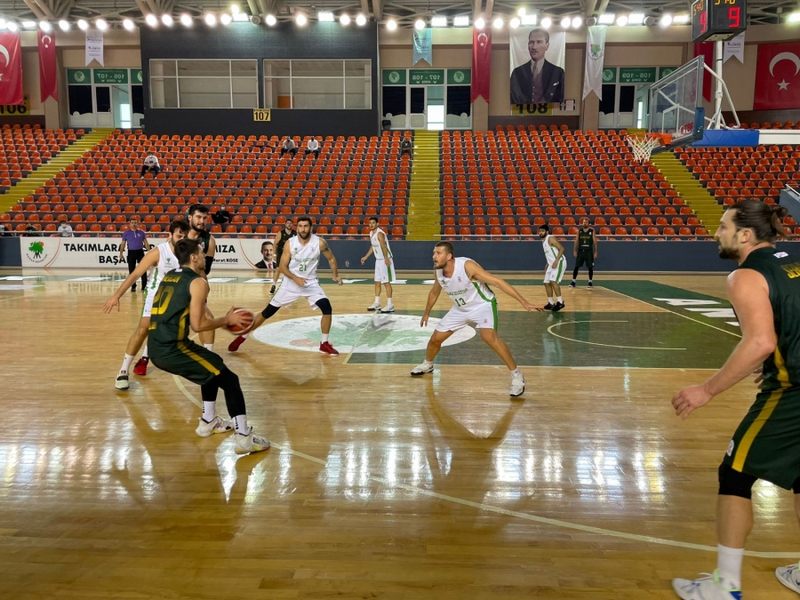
(765, 293)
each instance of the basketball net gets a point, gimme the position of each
(642, 146)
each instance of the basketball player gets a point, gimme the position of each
(584, 250)
(384, 265)
(280, 241)
(199, 218)
(765, 294)
(467, 284)
(299, 267)
(162, 257)
(180, 304)
(556, 265)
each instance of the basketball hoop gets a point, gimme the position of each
(642, 146)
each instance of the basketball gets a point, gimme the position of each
(250, 317)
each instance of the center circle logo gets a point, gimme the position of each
(359, 334)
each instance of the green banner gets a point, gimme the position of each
(426, 76)
(136, 76)
(394, 77)
(459, 76)
(79, 76)
(107, 76)
(637, 74)
(610, 75)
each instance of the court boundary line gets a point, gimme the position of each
(560, 323)
(484, 507)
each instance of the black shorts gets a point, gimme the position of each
(586, 258)
(767, 442)
(187, 359)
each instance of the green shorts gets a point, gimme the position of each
(187, 359)
(767, 442)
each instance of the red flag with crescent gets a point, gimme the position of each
(481, 63)
(777, 76)
(10, 69)
(47, 66)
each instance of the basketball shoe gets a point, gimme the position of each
(122, 382)
(558, 306)
(141, 366)
(572, 283)
(217, 425)
(789, 576)
(237, 341)
(589, 284)
(707, 587)
(548, 306)
(326, 348)
(389, 309)
(517, 385)
(375, 306)
(245, 444)
(422, 368)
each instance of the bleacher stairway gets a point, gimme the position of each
(424, 210)
(38, 178)
(690, 189)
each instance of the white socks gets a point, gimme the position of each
(324, 338)
(144, 351)
(729, 566)
(377, 299)
(560, 299)
(209, 347)
(209, 411)
(126, 363)
(240, 424)
(551, 300)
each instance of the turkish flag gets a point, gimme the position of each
(777, 76)
(47, 66)
(706, 50)
(481, 64)
(10, 69)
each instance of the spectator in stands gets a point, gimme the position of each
(2, 229)
(538, 80)
(64, 228)
(405, 147)
(312, 147)
(31, 230)
(288, 146)
(222, 216)
(150, 165)
(135, 240)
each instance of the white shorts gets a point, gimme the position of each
(148, 302)
(482, 316)
(554, 275)
(384, 274)
(290, 291)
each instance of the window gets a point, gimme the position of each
(318, 84)
(203, 83)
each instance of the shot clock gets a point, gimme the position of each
(717, 20)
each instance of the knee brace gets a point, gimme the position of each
(325, 306)
(269, 310)
(734, 483)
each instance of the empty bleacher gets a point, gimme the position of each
(352, 178)
(734, 174)
(23, 148)
(508, 182)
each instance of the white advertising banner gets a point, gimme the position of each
(103, 252)
(94, 46)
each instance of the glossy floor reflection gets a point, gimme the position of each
(378, 485)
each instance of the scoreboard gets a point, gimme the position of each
(716, 20)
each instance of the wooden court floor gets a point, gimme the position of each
(377, 485)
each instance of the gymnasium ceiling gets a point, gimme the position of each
(404, 11)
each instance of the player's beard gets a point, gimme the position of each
(304, 236)
(728, 253)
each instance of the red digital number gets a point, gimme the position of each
(703, 21)
(734, 17)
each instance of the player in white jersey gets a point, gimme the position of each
(556, 266)
(384, 265)
(162, 257)
(467, 284)
(298, 265)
